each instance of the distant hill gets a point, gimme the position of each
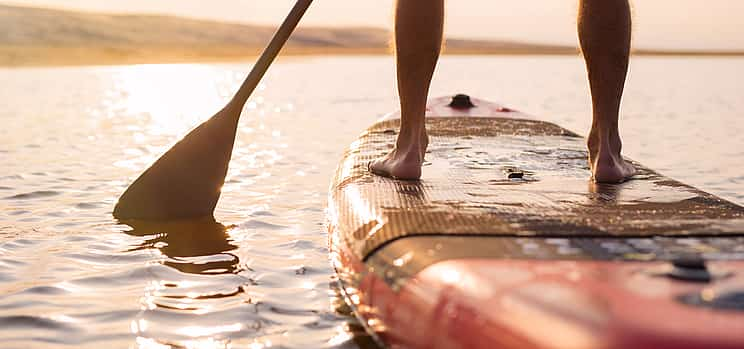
(33, 36)
(36, 36)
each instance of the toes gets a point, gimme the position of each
(632, 170)
(371, 167)
(374, 170)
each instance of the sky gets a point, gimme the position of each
(663, 24)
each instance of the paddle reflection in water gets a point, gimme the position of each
(196, 246)
(203, 293)
(200, 300)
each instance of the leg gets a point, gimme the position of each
(418, 40)
(604, 33)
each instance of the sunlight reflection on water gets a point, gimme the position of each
(160, 105)
(259, 275)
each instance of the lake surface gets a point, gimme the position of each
(73, 138)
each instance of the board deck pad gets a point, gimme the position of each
(513, 177)
(505, 242)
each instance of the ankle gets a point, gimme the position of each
(411, 135)
(604, 138)
(410, 148)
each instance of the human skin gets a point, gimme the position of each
(604, 28)
(604, 33)
(419, 27)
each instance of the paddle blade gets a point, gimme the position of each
(186, 181)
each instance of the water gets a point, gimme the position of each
(73, 138)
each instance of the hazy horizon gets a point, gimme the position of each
(713, 25)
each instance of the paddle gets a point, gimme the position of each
(186, 181)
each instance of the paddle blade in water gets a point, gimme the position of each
(186, 181)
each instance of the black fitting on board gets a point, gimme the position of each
(691, 268)
(461, 101)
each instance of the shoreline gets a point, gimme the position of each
(43, 37)
(31, 56)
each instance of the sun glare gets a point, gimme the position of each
(169, 99)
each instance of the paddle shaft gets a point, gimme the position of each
(272, 50)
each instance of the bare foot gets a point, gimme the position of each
(609, 168)
(405, 160)
(606, 161)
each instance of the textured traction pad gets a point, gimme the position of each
(510, 178)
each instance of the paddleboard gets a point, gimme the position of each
(505, 243)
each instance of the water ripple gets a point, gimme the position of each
(33, 195)
(36, 322)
